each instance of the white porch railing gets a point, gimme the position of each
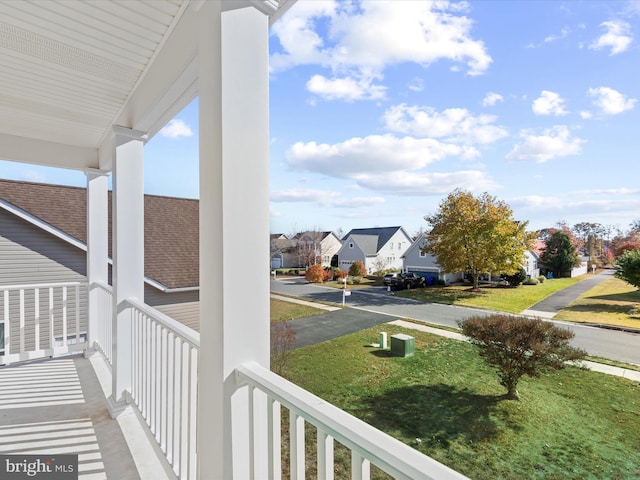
(42, 320)
(104, 310)
(368, 445)
(164, 391)
(164, 383)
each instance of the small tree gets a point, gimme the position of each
(315, 274)
(357, 269)
(518, 346)
(282, 340)
(628, 267)
(560, 254)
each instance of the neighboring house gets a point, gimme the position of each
(283, 251)
(317, 248)
(416, 261)
(426, 265)
(43, 239)
(378, 248)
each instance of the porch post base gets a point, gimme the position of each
(117, 407)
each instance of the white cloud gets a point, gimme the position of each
(176, 128)
(456, 125)
(363, 38)
(585, 114)
(490, 99)
(564, 33)
(618, 37)
(552, 143)
(348, 89)
(418, 184)
(372, 154)
(302, 195)
(325, 198)
(610, 101)
(549, 103)
(33, 176)
(416, 85)
(355, 202)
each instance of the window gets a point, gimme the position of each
(399, 245)
(391, 245)
(422, 254)
(350, 244)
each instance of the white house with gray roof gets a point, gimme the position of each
(378, 248)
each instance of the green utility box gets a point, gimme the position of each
(402, 345)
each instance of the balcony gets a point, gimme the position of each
(58, 404)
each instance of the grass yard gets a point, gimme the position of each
(511, 300)
(608, 303)
(447, 403)
(281, 310)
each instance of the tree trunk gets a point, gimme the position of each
(476, 283)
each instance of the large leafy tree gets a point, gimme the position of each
(476, 235)
(517, 346)
(560, 254)
(628, 267)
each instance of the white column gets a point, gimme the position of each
(128, 252)
(97, 245)
(234, 228)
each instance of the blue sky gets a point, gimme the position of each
(380, 109)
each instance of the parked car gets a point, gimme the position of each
(403, 280)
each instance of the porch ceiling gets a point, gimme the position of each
(70, 70)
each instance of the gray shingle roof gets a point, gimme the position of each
(383, 235)
(171, 226)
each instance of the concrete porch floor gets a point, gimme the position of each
(58, 406)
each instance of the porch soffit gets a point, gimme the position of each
(71, 70)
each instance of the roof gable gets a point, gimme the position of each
(383, 234)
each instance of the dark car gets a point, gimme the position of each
(403, 280)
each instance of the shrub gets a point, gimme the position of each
(315, 274)
(518, 346)
(356, 281)
(541, 278)
(531, 281)
(357, 269)
(517, 278)
(341, 274)
(441, 282)
(328, 274)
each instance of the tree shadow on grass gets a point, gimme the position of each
(619, 297)
(436, 414)
(599, 308)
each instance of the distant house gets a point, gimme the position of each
(317, 248)
(283, 251)
(43, 230)
(416, 261)
(378, 248)
(426, 265)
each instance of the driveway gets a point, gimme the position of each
(367, 306)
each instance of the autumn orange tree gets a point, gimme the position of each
(476, 235)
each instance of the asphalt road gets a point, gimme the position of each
(375, 306)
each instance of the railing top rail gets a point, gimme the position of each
(391, 455)
(101, 285)
(41, 285)
(187, 334)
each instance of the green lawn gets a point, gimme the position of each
(281, 310)
(511, 300)
(447, 403)
(608, 303)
